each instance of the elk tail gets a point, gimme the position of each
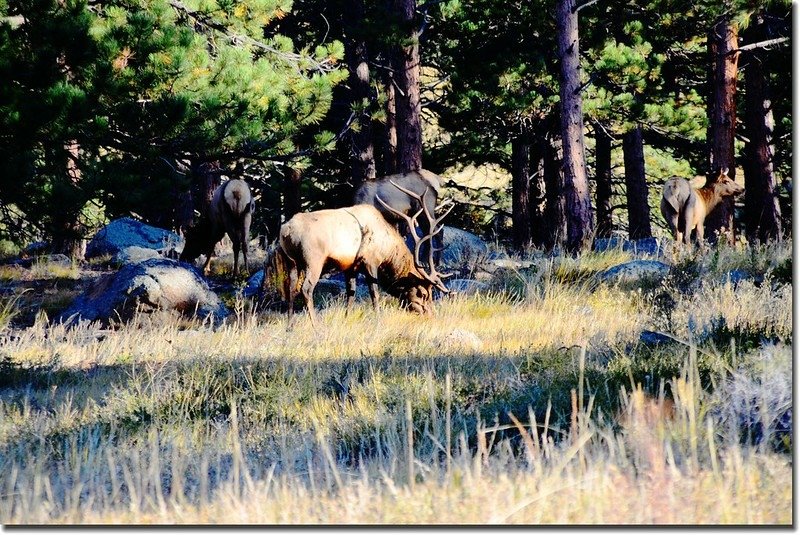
(671, 194)
(276, 271)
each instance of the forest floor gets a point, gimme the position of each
(552, 398)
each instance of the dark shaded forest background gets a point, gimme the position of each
(575, 113)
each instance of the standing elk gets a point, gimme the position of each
(356, 240)
(402, 194)
(230, 211)
(685, 208)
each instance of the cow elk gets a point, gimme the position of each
(685, 208)
(230, 211)
(357, 240)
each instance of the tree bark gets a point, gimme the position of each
(385, 134)
(540, 229)
(67, 229)
(520, 192)
(406, 72)
(207, 177)
(555, 209)
(722, 44)
(182, 195)
(603, 177)
(292, 200)
(576, 185)
(363, 154)
(636, 185)
(762, 211)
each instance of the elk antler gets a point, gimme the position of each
(434, 228)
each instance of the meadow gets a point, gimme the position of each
(550, 398)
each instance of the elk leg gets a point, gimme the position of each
(373, 293)
(236, 247)
(244, 254)
(673, 223)
(350, 286)
(207, 264)
(290, 285)
(372, 280)
(311, 278)
(687, 229)
(210, 251)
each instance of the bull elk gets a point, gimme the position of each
(685, 208)
(401, 194)
(230, 211)
(356, 240)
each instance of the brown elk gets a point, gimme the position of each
(401, 194)
(356, 240)
(230, 211)
(685, 208)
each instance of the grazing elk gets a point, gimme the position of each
(230, 211)
(357, 240)
(401, 194)
(685, 208)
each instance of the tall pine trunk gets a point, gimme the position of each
(207, 177)
(363, 154)
(387, 131)
(555, 209)
(537, 191)
(406, 72)
(67, 230)
(636, 185)
(182, 195)
(763, 216)
(576, 185)
(722, 44)
(292, 199)
(602, 149)
(520, 192)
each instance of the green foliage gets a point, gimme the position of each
(138, 85)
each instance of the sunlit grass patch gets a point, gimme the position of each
(533, 404)
(760, 310)
(44, 269)
(584, 266)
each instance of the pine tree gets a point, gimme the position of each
(163, 85)
(576, 192)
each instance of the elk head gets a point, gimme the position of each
(724, 186)
(419, 297)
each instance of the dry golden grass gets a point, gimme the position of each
(535, 403)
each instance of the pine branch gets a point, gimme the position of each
(761, 44)
(291, 58)
(582, 5)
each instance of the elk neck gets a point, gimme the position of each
(710, 197)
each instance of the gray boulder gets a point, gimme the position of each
(635, 271)
(466, 286)
(737, 276)
(461, 246)
(645, 246)
(127, 232)
(52, 259)
(155, 284)
(134, 253)
(652, 338)
(254, 283)
(327, 288)
(461, 339)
